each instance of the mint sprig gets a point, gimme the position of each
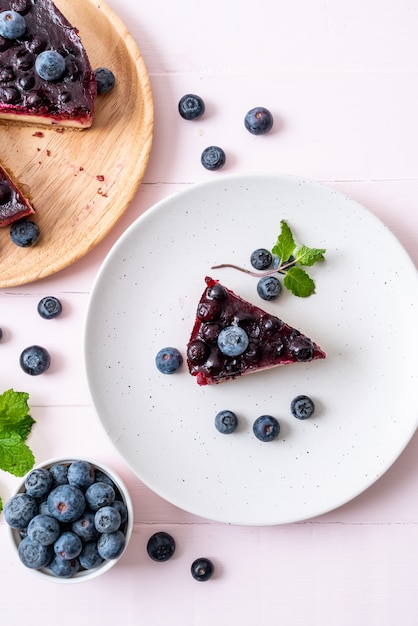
(15, 426)
(291, 260)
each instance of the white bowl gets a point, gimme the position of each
(83, 574)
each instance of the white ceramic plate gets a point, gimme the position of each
(363, 314)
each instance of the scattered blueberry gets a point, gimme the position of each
(111, 545)
(161, 546)
(98, 495)
(24, 233)
(105, 80)
(81, 474)
(269, 287)
(35, 360)
(213, 158)
(1, 334)
(44, 529)
(50, 65)
(84, 527)
(168, 360)
(202, 569)
(107, 519)
(302, 407)
(38, 482)
(49, 307)
(226, 422)
(258, 121)
(266, 428)
(68, 545)
(19, 510)
(233, 341)
(33, 554)
(64, 568)
(12, 25)
(191, 107)
(66, 503)
(261, 259)
(89, 556)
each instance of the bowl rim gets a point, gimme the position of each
(82, 575)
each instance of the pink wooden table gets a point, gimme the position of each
(342, 82)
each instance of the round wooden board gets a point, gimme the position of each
(81, 182)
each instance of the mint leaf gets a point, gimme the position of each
(299, 282)
(15, 456)
(285, 243)
(309, 256)
(15, 426)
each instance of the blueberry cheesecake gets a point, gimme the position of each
(231, 337)
(14, 205)
(45, 74)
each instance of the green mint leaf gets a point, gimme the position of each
(15, 456)
(285, 243)
(15, 426)
(299, 282)
(309, 256)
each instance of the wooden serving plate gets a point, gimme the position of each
(81, 182)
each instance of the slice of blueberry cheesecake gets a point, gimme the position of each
(45, 73)
(14, 205)
(232, 337)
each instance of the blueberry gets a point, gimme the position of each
(258, 121)
(1, 334)
(202, 569)
(302, 348)
(107, 519)
(35, 360)
(226, 422)
(123, 510)
(59, 473)
(33, 554)
(161, 546)
(302, 407)
(213, 158)
(111, 545)
(43, 508)
(66, 503)
(64, 568)
(50, 65)
(49, 307)
(81, 474)
(266, 428)
(38, 482)
(233, 341)
(101, 477)
(68, 545)
(99, 494)
(84, 527)
(191, 107)
(168, 360)
(89, 556)
(44, 529)
(24, 233)
(197, 352)
(12, 25)
(19, 510)
(261, 259)
(105, 80)
(269, 287)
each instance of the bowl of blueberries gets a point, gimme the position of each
(70, 520)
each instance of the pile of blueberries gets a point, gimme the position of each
(71, 517)
(258, 121)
